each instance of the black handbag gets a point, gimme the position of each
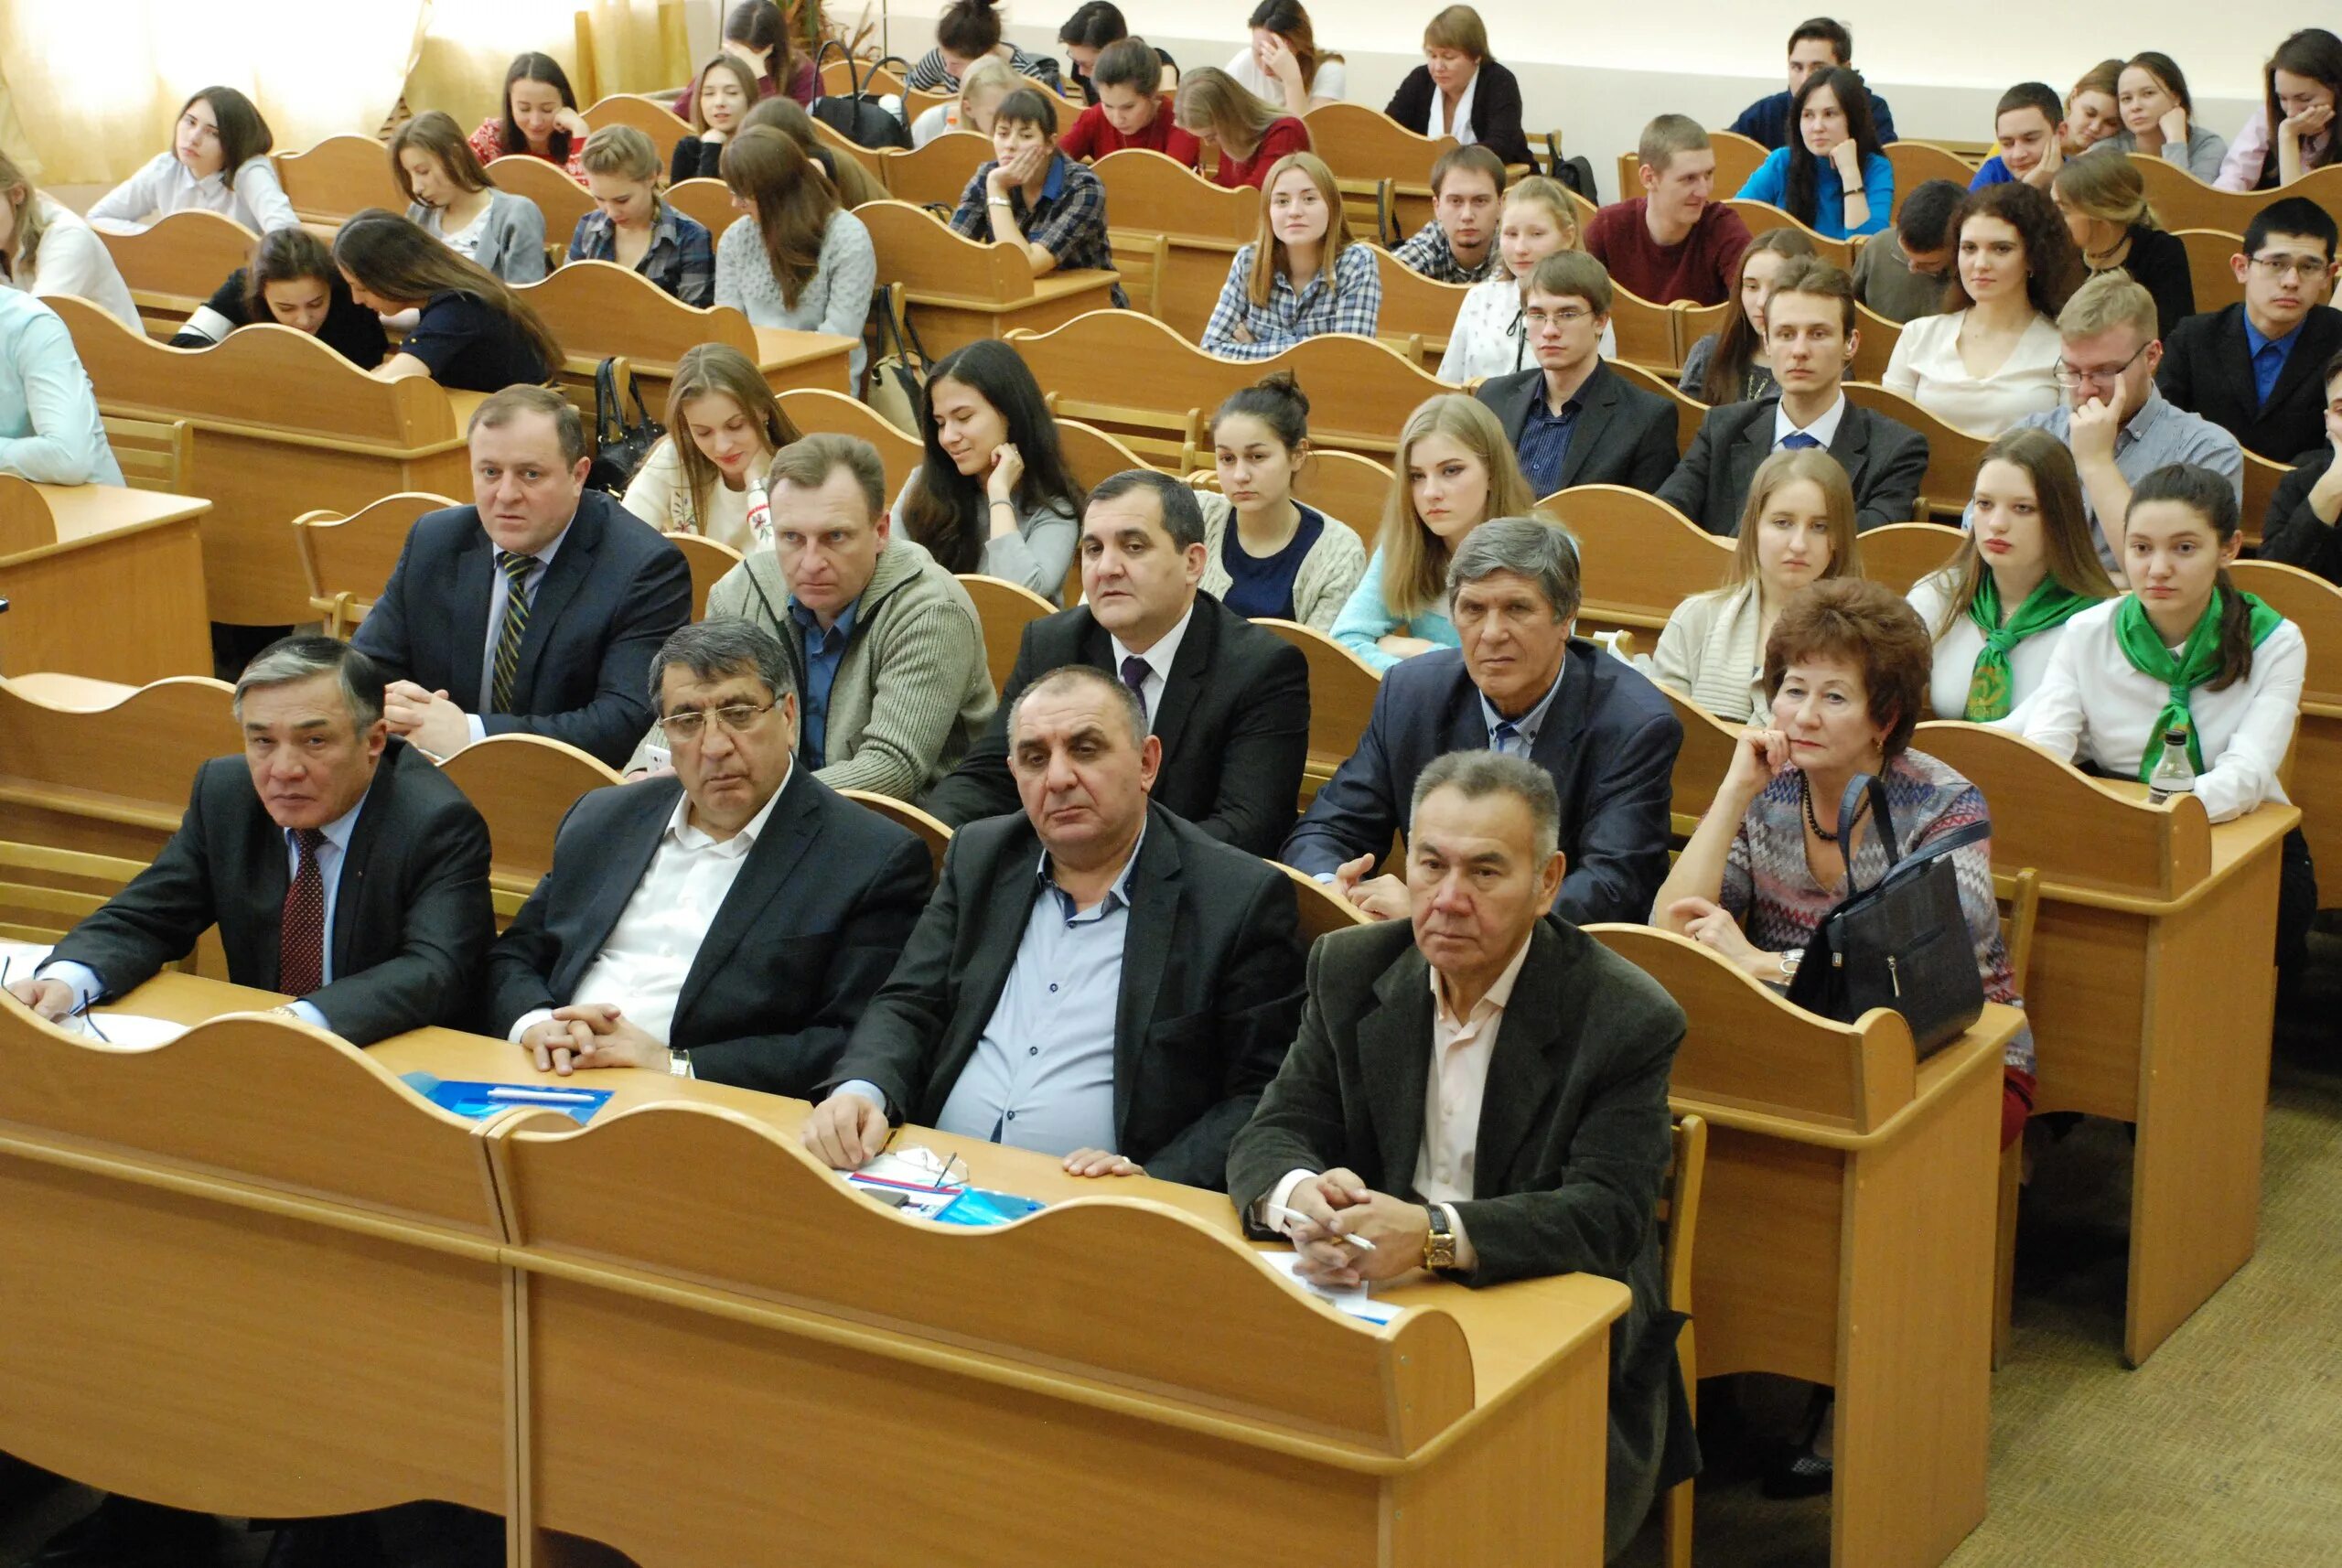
(1902, 942)
(857, 114)
(620, 445)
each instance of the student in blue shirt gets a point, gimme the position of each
(2029, 124)
(1818, 43)
(1833, 178)
(49, 431)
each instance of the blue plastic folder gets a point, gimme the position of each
(473, 1100)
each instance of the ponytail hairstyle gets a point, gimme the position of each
(1269, 257)
(1803, 195)
(741, 72)
(32, 222)
(2213, 498)
(969, 29)
(944, 509)
(1738, 344)
(2317, 54)
(435, 133)
(1288, 21)
(2066, 535)
(718, 368)
(792, 202)
(545, 69)
(1210, 100)
(391, 256)
(283, 255)
(244, 135)
(2106, 190)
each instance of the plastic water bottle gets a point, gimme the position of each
(2173, 774)
(759, 510)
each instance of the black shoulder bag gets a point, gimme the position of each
(620, 444)
(857, 114)
(1902, 942)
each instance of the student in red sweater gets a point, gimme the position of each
(1130, 111)
(1675, 242)
(1250, 134)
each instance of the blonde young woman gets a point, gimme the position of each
(1302, 276)
(1798, 529)
(450, 196)
(632, 226)
(1252, 136)
(727, 88)
(46, 248)
(1489, 340)
(988, 82)
(724, 427)
(2104, 204)
(1455, 470)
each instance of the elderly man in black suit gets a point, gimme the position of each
(2256, 369)
(340, 866)
(1422, 1112)
(1520, 683)
(1228, 701)
(728, 921)
(535, 609)
(1095, 977)
(1572, 420)
(1810, 330)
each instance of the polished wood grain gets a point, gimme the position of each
(333, 179)
(2182, 201)
(1954, 454)
(174, 264)
(102, 581)
(959, 290)
(1763, 216)
(349, 558)
(2315, 782)
(1689, 411)
(1637, 557)
(1149, 197)
(1874, 344)
(819, 409)
(651, 116)
(1005, 608)
(524, 785)
(1900, 553)
(561, 199)
(1416, 306)
(1342, 690)
(1364, 147)
(936, 173)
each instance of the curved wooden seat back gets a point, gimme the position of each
(651, 116)
(931, 830)
(1689, 411)
(1902, 553)
(795, 1236)
(837, 78)
(67, 778)
(709, 560)
(938, 172)
(1365, 146)
(1347, 486)
(1146, 190)
(866, 158)
(1954, 454)
(1874, 347)
(815, 410)
(1360, 392)
(1763, 216)
(2079, 833)
(2212, 279)
(25, 521)
(1647, 333)
(1694, 322)
(1413, 304)
(1737, 157)
(560, 198)
(175, 265)
(924, 255)
(1091, 456)
(2182, 202)
(707, 202)
(1915, 163)
(338, 176)
(349, 559)
(1323, 911)
(1701, 762)
(1005, 610)
(522, 786)
(2310, 603)
(598, 310)
(1342, 688)
(2262, 479)
(1082, 367)
(1637, 557)
(1748, 1046)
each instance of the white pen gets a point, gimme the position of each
(540, 1096)
(1279, 1214)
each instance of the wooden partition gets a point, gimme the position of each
(1651, 336)
(1690, 412)
(960, 291)
(2140, 906)
(1875, 345)
(67, 781)
(816, 409)
(938, 172)
(101, 581)
(2315, 605)
(349, 557)
(649, 115)
(2182, 202)
(1900, 553)
(1364, 147)
(1202, 226)
(707, 202)
(339, 178)
(282, 424)
(560, 198)
(175, 265)
(523, 786)
(2214, 281)
(1342, 690)
(1701, 762)
(1916, 163)
(1414, 306)
(1954, 454)
(1763, 216)
(1637, 557)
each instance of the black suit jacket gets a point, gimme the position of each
(1609, 740)
(411, 915)
(1210, 989)
(1234, 722)
(1623, 435)
(1886, 460)
(613, 592)
(2208, 369)
(1570, 1155)
(1496, 109)
(2295, 534)
(824, 901)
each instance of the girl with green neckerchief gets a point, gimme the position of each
(2030, 565)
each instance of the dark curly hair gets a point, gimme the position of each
(2053, 267)
(1869, 626)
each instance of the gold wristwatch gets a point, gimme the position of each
(1439, 1241)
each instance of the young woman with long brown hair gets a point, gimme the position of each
(798, 259)
(471, 332)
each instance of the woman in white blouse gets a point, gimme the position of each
(1797, 529)
(707, 475)
(2030, 564)
(1282, 66)
(218, 161)
(46, 249)
(1489, 340)
(1993, 359)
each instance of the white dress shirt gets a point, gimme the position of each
(1159, 660)
(2095, 707)
(1824, 430)
(163, 187)
(1956, 652)
(1462, 130)
(649, 950)
(73, 260)
(1926, 367)
(500, 591)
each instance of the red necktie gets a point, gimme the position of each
(301, 954)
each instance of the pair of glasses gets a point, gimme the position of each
(2307, 269)
(683, 729)
(1565, 316)
(2072, 376)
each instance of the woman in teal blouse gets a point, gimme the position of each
(1830, 176)
(49, 431)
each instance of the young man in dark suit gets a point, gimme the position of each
(1228, 701)
(1571, 419)
(1810, 329)
(1094, 977)
(340, 866)
(534, 610)
(1422, 1111)
(1817, 44)
(2255, 368)
(728, 921)
(1520, 684)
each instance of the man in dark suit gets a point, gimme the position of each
(1810, 329)
(2255, 368)
(340, 866)
(1572, 420)
(537, 608)
(1094, 978)
(1420, 1110)
(1229, 702)
(1520, 684)
(728, 921)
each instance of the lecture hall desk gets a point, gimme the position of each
(775, 1367)
(119, 594)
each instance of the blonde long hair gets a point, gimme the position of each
(1414, 559)
(32, 222)
(1269, 256)
(716, 368)
(1210, 100)
(1837, 499)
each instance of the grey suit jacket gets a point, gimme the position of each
(1570, 1158)
(1884, 460)
(1625, 436)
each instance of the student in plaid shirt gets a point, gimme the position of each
(1302, 274)
(965, 33)
(1459, 244)
(1035, 198)
(632, 226)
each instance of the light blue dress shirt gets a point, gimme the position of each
(1518, 737)
(824, 651)
(49, 431)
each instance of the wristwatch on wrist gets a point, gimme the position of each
(1791, 959)
(679, 1064)
(1439, 1241)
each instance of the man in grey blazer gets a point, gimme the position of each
(1572, 420)
(1425, 1112)
(1809, 329)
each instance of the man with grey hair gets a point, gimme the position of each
(730, 920)
(341, 867)
(1095, 978)
(1420, 1113)
(1520, 685)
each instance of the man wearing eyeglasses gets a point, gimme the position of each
(1571, 419)
(2254, 368)
(727, 921)
(2119, 427)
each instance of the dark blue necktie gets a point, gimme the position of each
(1798, 441)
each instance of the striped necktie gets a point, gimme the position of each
(509, 637)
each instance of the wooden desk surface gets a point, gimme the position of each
(778, 347)
(84, 511)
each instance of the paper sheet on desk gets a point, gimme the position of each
(1356, 1301)
(19, 959)
(126, 1031)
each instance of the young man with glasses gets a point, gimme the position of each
(2253, 369)
(2118, 425)
(1571, 419)
(729, 921)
